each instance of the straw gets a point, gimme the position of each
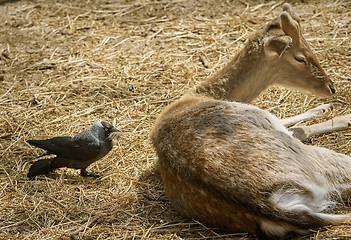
(66, 65)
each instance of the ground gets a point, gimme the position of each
(65, 64)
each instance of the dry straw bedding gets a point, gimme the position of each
(65, 64)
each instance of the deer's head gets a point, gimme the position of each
(289, 55)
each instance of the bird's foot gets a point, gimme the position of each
(86, 173)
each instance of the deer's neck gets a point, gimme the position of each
(242, 79)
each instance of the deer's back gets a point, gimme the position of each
(236, 167)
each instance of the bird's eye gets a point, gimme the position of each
(106, 129)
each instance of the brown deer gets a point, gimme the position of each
(236, 167)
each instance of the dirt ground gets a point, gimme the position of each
(65, 64)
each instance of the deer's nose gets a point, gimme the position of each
(332, 89)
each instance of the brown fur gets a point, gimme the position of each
(269, 58)
(235, 166)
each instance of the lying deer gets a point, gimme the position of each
(237, 167)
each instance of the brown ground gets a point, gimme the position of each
(65, 64)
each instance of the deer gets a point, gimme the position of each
(238, 168)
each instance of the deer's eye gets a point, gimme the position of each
(300, 58)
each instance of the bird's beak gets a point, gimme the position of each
(114, 134)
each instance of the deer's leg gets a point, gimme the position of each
(336, 124)
(316, 112)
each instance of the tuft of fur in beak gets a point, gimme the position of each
(115, 133)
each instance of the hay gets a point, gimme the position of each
(65, 64)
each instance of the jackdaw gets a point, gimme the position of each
(76, 152)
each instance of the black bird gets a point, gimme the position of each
(76, 152)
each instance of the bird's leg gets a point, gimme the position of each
(86, 173)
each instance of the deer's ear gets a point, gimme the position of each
(290, 26)
(288, 8)
(277, 45)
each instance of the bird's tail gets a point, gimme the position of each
(41, 167)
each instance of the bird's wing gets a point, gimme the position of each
(86, 147)
(68, 147)
(54, 145)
